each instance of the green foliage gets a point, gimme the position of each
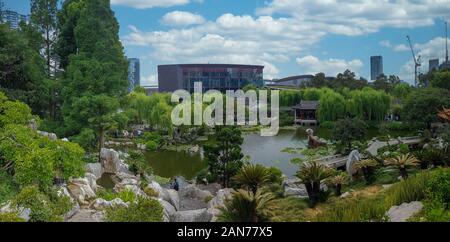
(96, 73)
(311, 175)
(86, 138)
(437, 188)
(412, 189)
(246, 206)
(402, 90)
(348, 130)
(422, 105)
(224, 155)
(151, 192)
(44, 208)
(355, 210)
(141, 210)
(8, 188)
(290, 209)
(441, 79)
(138, 164)
(22, 67)
(252, 177)
(367, 166)
(10, 218)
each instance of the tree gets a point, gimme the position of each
(140, 210)
(402, 163)
(43, 17)
(224, 155)
(441, 79)
(22, 72)
(96, 77)
(382, 83)
(367, 167)
(348, 79)
(337, 180)
(311, 175)
(246, 206)
(402, 90)
(347, 130)
(252, 177)
(422, 105)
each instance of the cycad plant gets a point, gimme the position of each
(252, 177)
(246, 206)
(337, 180)
(403, 162)
(366, 166)
(312, 174)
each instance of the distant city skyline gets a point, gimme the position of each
(288, 37)
(376, 67)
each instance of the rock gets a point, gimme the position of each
(95, 168)
(213, 188)
(102, 204)
(192, 198)
(81, 190)
(296, 191)
(65, 139)
(21, 212)
(169, 210)
(194, 149)
(141, 146)
(92, 179)
(403, 212)
(200, 215)
(345, 194)
(87, 215)
(174, 198)
(218, 202)
(75, 209)
(51, 136)
(111, 163)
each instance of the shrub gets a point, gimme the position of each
(151, 192)
(141, 210)
(438, 187)
(151, 145)
(412, 189)
(125, 195)
(44, 208)
(10, 217)
(355, 210)
(7, 187)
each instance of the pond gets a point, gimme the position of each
(261, 150)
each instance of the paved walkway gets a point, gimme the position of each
(376, 145)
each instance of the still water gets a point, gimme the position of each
(261, 150)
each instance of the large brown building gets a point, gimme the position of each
(220, 77)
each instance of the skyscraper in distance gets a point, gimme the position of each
(134, 73)
(433, 65)
(376, 67)
(13, 18)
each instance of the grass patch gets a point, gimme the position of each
(290, 209)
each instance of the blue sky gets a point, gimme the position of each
(288, 37)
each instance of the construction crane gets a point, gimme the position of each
(417, 62)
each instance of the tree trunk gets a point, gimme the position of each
(101, 142)
(404, 173)
(338, 190)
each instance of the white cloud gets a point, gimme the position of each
(331, 67)
(151, 80)
(144, 4)
(180, 18)
(433, 49)
(356, 17)
(385, 43)
(401, 47)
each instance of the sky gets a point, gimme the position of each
(288, 37)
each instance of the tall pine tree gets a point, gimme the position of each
(96, 74)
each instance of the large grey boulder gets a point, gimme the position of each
(87, 215)
(95, 169)
(50, 136)
(200, 215)
(219, 202)
(111, 162)
(403, 212)
(193, 198)
(173, 198)
(169, 210)
(102, 204)
(81, 190)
